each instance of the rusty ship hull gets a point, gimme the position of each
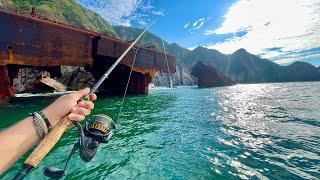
(30, 41)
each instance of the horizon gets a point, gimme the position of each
(226, 26)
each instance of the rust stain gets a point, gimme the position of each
(34, 41)
(50, 82)
(6, 90)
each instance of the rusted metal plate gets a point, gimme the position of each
(26, 40)
(146, 58)
(58, 87)
(42, 43)
(6, 90)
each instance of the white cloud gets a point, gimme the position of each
(192, 48)
(293, 25)
(198, 23)
(158, 13)
(292, 58)
(208, 32)
(186, 25)
(123, 12)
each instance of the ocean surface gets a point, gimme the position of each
(255, 131)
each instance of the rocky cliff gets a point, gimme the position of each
(299, 71)
(182, 76)
(208, 76)
(241, 66)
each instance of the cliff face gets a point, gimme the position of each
(208, 76)
(243, 67)
(300, 71)
(240, 66)
(25, 81)
(182, 75)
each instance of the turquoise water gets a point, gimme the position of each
(256, 131)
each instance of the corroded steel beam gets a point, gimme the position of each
(28, 40)
(6, 89)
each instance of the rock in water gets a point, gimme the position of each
(208, 76)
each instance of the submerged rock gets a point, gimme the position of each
(208, 76)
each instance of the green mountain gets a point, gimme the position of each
(67, 11)
(243, 67)
(182, 76)
(300, 71)
(148, 39)
(240, 66)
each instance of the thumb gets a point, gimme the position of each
(83, 92)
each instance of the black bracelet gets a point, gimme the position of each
(46, 120)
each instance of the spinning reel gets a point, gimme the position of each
(98, 131)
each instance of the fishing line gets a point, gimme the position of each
(165, 54)
(129, 77)
(98, 131)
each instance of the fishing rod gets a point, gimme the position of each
(99, 131)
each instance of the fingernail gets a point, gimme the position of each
(70, 116)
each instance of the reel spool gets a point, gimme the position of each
(100, 130)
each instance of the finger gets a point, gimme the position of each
(81, 111)
(83, 92)
(76, 117)
(86, 104)
(93, 97)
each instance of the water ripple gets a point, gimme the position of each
(255, 131)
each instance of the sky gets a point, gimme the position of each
(283, 31)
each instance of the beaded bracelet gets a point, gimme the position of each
(38, 126)
(41, 123)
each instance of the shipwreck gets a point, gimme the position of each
(47, 45)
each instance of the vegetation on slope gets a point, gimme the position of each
(240, 66)
(67, 11)
(182, 75)
(149, 39)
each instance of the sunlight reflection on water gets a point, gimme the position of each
(271, 120)
(254, 131)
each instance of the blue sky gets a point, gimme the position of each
(283, 31)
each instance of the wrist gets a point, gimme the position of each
(53, 119)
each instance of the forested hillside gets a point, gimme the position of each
(240, 66)
(67, 11)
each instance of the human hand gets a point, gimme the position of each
(69, 105)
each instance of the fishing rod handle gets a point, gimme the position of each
(47, 143)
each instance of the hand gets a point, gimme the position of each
(69, 105)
